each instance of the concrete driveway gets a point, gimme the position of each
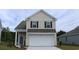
(43, 48)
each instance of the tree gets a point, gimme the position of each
(60, 33)
(7, 36)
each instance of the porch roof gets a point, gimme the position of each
(22, 25)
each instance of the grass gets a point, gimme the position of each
(4, 46)
(69, 47)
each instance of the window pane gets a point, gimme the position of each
(48, 24)
(34, 24)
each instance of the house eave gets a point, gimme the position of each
(42, 30)
(21, 30)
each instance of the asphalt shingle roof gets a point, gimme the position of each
(72, 32)
(22, 25)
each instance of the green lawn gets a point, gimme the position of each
(4, 46)
(69, 47)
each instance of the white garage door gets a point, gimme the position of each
(41, 40)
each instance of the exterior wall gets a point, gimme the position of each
(27, 40)
(40, 17)
(55, 39)
(62, 39)
(73, 39)
(70, 40)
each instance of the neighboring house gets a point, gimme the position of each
(71, 37)
(37, 30)
(0, 29)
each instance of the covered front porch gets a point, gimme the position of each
(20, 38)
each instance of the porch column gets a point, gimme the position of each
(16, 38)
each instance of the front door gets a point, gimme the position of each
(21, 42)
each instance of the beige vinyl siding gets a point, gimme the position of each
(41, 18)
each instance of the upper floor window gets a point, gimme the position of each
(34, 24)
(48, 24)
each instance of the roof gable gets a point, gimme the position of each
(28, 18)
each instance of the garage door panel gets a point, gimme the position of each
(41, 40)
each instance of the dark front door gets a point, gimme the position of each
(21, 41)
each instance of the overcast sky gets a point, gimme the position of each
(67, 19)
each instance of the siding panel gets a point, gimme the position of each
(74, 39)
(70, 39)
(41, 18)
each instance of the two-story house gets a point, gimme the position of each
(38, 30)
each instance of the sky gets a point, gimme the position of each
(67, 19)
